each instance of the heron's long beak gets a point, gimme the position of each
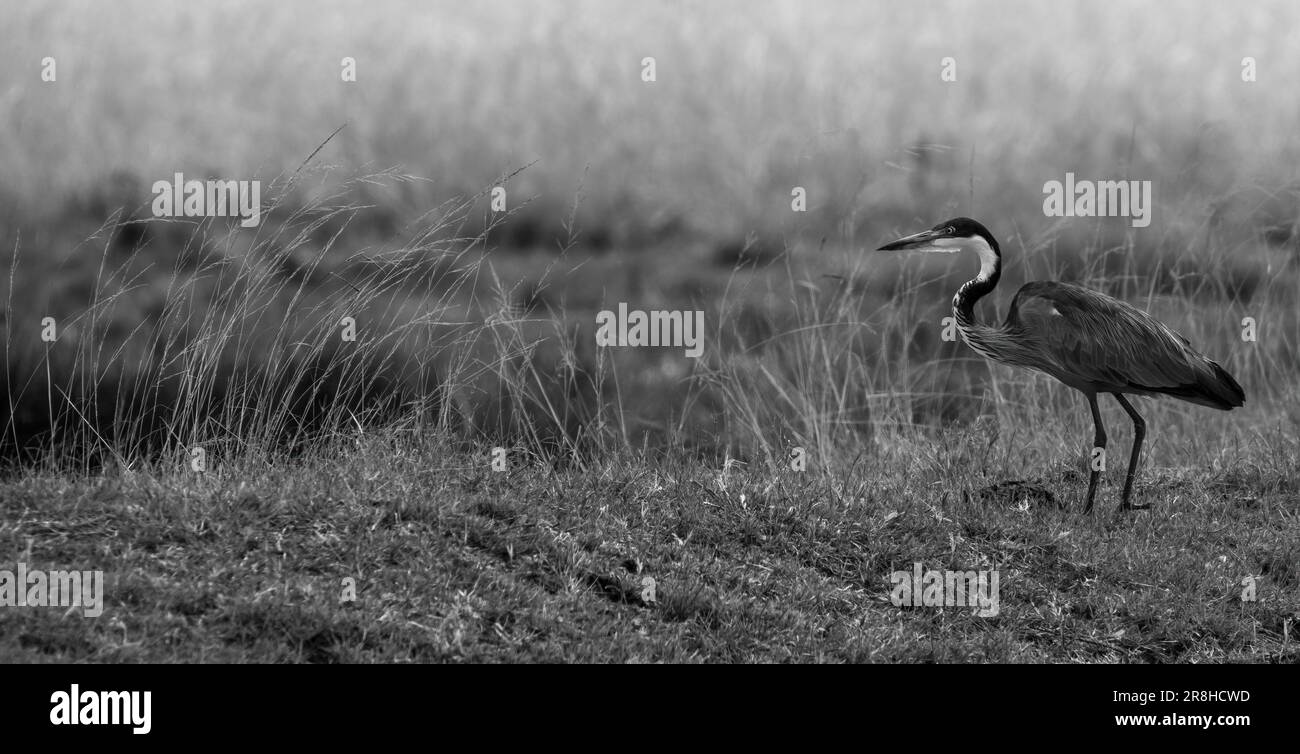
(914, 241)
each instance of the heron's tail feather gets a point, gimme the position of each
(1213, 387)
(1224, 387)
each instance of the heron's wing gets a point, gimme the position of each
(1086, 337)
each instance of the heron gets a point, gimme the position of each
(1085, 339)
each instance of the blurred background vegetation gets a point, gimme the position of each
(671, 194)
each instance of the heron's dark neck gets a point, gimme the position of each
(963, 304)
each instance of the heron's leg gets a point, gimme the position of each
(1139, 432)
(1098, 441)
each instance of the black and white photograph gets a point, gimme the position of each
(598, 332)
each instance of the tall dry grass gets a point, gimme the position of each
(177, 335)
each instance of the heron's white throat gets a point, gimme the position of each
(977, 244)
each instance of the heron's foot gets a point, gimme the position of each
(1089, 499)
(1131, 507)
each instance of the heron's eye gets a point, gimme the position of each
(950, 230)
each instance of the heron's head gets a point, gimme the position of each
(951, 236)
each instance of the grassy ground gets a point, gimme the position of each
(453, 561)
